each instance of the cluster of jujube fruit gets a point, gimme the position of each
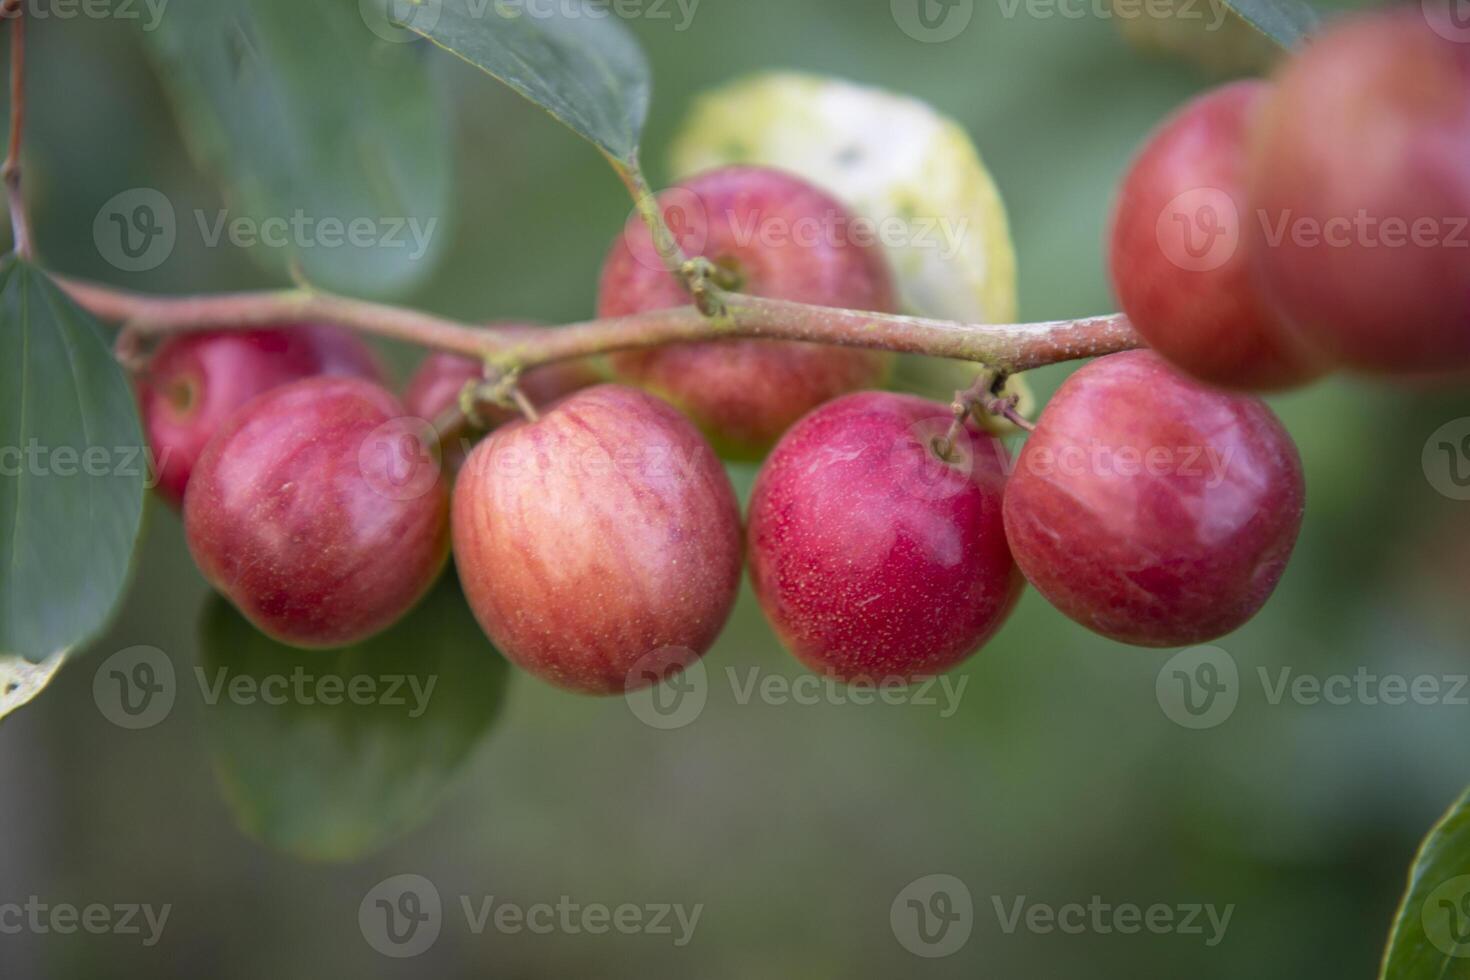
(600, 543)
(1272, 231)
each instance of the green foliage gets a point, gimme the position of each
(586, 69)
(74, 467)
(334, 781)
(1431, 932)
(302, 110)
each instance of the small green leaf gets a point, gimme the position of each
(581, 65)
(335, 781)
(332, 141)
(72, 469)
(1431, 932)
(1287, 22)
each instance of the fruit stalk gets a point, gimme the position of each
(1007, 347)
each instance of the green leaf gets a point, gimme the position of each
(336, 781)
(579, 63)
(311, 119)
(1431, 932)
(1287, 22)
(72, 469)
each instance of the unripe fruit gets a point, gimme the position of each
(874, 558)
(196, 381)
(319, 512)
(1151, 508)
(781, 238)
(599, 546)
(1177, 262)
(1362, 179)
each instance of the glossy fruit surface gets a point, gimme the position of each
(195, 381)
(782, 238)
(600, 545)
(1177, 262)
(874, 559)
(1151, 508)
(1361, 176)
(319, 511)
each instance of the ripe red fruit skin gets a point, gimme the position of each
(874, 560)
(599, 546)
(1199, 308)
(787, 240)
(302, 514)
(1370, 123)
(1153, 509)
(196, 381)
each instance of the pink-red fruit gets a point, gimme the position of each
(599, 546)
(1151, 508)
(196, 381)
(319, 511)
(781, 238)
(875, 559)
(1177, 262)
(1362, 180)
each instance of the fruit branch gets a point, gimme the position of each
(1005, 347)
(10, 172)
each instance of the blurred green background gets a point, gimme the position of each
(1058, 778)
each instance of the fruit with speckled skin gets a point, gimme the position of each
(196, 381)
(1151, 508)
(599, 546)
(1361, 178)
(874, 559)
(1177, 264)
(318, 516)
(782, 238)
